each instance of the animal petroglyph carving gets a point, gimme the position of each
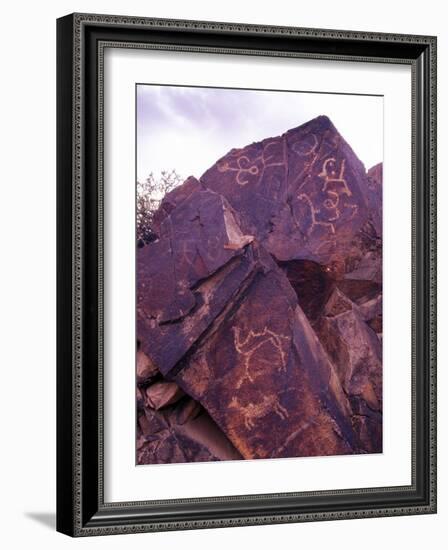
(332, 176)
(334, 186)
(253, 341)
(332, 204)
(253, 411)
(314, 211)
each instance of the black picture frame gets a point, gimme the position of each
(81, 510)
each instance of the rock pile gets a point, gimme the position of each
(259, 307)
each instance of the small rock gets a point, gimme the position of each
(161, 394)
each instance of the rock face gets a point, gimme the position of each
(355, 350)
(259, 307)
(188, 275)
(262, 370)
(311, 192)
(180, 433)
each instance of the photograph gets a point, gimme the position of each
(246, 273)
(225, 219)
(259, 274)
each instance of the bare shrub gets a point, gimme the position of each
(149, 196)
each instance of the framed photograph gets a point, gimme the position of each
(246, 274)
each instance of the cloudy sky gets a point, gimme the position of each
(188, 129)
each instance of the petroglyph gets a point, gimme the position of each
(354, 208)
(306, 146)
(186, 252)
(249, 345)
(252, 170)
(314, 211)
(331, 202)
(271, 144)
(241, 171)
(254, 411)
(255, 167)
(331, 176)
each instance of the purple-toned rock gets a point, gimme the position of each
(261, 300)
(356, 352)
(375, 200)
(146, 370)
(174, 198)
(195, 240)
(365, 259)
(170, 436)
(304, 194)
(187, 410)
(263, 371)
(312, 283)
(187, 276)
(160, 394)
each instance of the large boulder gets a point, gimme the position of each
(304, 194)
(266, 380)
(187, 276)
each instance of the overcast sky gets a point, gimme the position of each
(188, 129)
